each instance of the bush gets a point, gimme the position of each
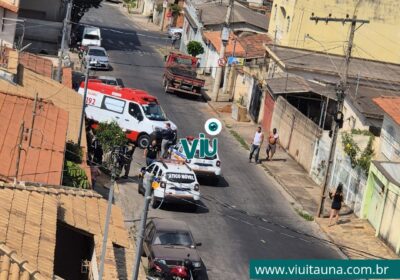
(195, 48)
(74, 176)
(73, 152)
(110, 135)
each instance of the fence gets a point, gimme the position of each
(353, 179)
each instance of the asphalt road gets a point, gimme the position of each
(245, 216)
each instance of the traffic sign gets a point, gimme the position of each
(222, 61)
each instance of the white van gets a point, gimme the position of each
(135, 111)
(91, 36)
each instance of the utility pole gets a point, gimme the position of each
(84, 101)
(341, 94)
(115, 158)
(19, 149)
(165, 5)
(33, 119)
(224, 41)
(139, 244)
(64, 34)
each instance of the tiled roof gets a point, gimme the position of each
(214, 37)
(28, 225)
(43, 160)
(13, 267)
(254, 44)
(214, 14)
(391, 106)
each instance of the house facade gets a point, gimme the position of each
(290, 23)
(9, 23)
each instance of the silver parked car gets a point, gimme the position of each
(175, 32)
(97, 58)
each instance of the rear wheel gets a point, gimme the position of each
(143, 141)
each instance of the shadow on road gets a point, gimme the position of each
(209, 181)
(186, 208)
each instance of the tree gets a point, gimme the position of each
(110, 135)
(175, 11)
(80, 7)
(195, 48)
(73, 174)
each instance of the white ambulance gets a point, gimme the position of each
(135, 111)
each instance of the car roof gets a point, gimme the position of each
(96, 48)
(90, 29)
(170, 225)
(175, 166)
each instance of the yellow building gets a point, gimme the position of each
(290, 23)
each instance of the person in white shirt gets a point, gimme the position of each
(273, 140)
(256, 144)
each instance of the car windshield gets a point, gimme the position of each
(173, 238)
(184, 61)
(109, 82)
(180, 178)
(154, 112)
(97, 52)
(91, 37)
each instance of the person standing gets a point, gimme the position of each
(337, 199)
(273, 140)
(128, 158)
(94, 172)
(151, 153)
(167, 137)
(256, 145)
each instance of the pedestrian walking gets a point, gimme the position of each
(273, 140)
(256, 145)
(128, 158)
(167, 138)
(151, 153)
(94, 172)
(337, 199)
(150, 18)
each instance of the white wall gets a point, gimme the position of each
(390, 140)
(7, 30)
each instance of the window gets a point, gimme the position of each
(91, 37)
(155, 170)
(173, 238)
(113, 104)
(150, 168)
(96, 52)
(134, 110)
(154, 112)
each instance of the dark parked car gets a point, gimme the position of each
(171, 242)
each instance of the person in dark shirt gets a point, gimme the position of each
(151, 153)
(128, 159)
(167, 138)
(337, 199)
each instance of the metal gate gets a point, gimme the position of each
(255, 102)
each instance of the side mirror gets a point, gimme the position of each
(140, 117)
(143, 170)
(198, 244)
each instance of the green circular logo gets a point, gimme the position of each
(213, 126)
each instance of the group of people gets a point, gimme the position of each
(273, 141)
(155, 150)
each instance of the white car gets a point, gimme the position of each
(91, 36)
(208, 166)
(172, 181)
(97, 57)
(175, 31)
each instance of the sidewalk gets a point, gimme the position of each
(140, 20)
(305, 195)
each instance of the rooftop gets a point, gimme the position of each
(295, 84)
(28, 227)
(253, 44)
(214, 37)
(43, 160)
(299, 59)
(391, 106)
(390, 170)
(211, 15)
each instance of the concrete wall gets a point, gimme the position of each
(8, 29)
(290, 21)
(148, 7)
(54, 10)
(390, 140)
(297, 133)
